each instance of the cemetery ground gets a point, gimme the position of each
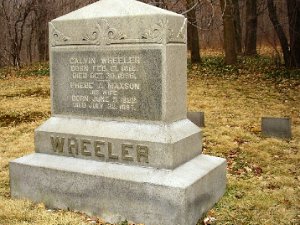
(263, 173)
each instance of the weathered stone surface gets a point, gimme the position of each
(166, 145)
(89, 81)
(119, 144)
(116, 192)
(276, 127)
(149, 43)
(197, 118)
(108, 82)
(109, 22)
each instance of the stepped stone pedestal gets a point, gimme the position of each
(118, 143)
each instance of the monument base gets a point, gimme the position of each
(116, 192)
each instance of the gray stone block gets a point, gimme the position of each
(167, 145)
(115, 191)
(197, 118)
(94, 92)
(276, 127)
(121, 22)
(118, 143)
(119, 67)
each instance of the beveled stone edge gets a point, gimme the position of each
(168, 132)
(177, 196)
(161, 177)
(104, 33)
(153, 145)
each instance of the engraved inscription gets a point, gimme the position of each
(84, 148)
(57, 144)
(125, 152)
(98, 145)
(72, 146)
(109, 74)
(100, 149)
(125, 83)
(142, 154)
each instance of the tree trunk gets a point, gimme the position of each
(294, 31)
(3, 37)
(41, 30)
(251, 27)
(237, 25)
(193, 36)
(29, 44)
(280, 33)
(156, 3)
(229, 32)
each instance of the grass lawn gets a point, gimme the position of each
(263, 173)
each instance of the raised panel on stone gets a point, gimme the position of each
(97, 82)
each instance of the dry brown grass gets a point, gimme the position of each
(263, 173)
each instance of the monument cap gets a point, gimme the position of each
(118, 22)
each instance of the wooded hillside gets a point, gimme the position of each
(248, 26)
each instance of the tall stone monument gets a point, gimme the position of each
(118, 143)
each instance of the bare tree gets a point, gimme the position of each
(294, 32)
(31, 28)
(159, 3)
(2, 37)
(190, 11)
(193, 36)
(24, 26)
(229, 32)
(237, 25)
(41, 30)
(290, 50)
(15, 14)
(251, 27)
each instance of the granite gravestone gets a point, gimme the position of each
(197, 118)
(276, 127)
(118, 143)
